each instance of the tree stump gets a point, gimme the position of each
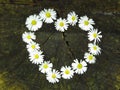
(18, 73)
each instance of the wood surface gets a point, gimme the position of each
(18, 73)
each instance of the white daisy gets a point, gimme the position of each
(28, 37)
(36, 57)
(79, 67)
(85, 23)
(32, 46)
(67, 72)
(48, 15)
(94, 49)
(89, 58)
(53, 76)
(45, 67)
(94, 35)
(72, 18)
(33, 23)
(61, 24)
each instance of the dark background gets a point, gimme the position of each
(18, 73)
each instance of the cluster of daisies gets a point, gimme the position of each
(35, 22)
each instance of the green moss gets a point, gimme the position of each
(117, 82)
(10, 84)
(17, 86)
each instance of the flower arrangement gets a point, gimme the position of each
(35, 22)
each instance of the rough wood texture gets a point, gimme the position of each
(17, 72)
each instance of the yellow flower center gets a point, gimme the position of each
(67, 71)
(34, 22)
(79, 66)
(90, 57)
(95, 35)
(45, 66)
(86, 23)
(36, 56)
(33, 46)
(28, 37)
(53, 76)
(61, 24)
(95, 47)
(48, 15)
(73, 18)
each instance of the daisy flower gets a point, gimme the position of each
(94, 49)
(32, 46)
(85, 23)
(67, 72)
(61, 24)
(33, 23)
(89, 58)
(48, 15)
(94, 35)
(72, 18)
(28, 37)
(53, 76)
(79, 67)
(36, 57)
(45, 67)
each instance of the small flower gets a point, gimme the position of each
(94, 49)
(36, 57)
(85, 23)
(61, 24)
(45, 67)
(28, 37)
(67, 72)
(48, 15)
(72, 18)
(79, 67)
(33, 23)
(53, 76)
(89, 58)
(32, 46)
(94, 35)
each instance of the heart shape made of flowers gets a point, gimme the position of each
(35, 22)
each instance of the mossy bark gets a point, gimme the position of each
(18, 73)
